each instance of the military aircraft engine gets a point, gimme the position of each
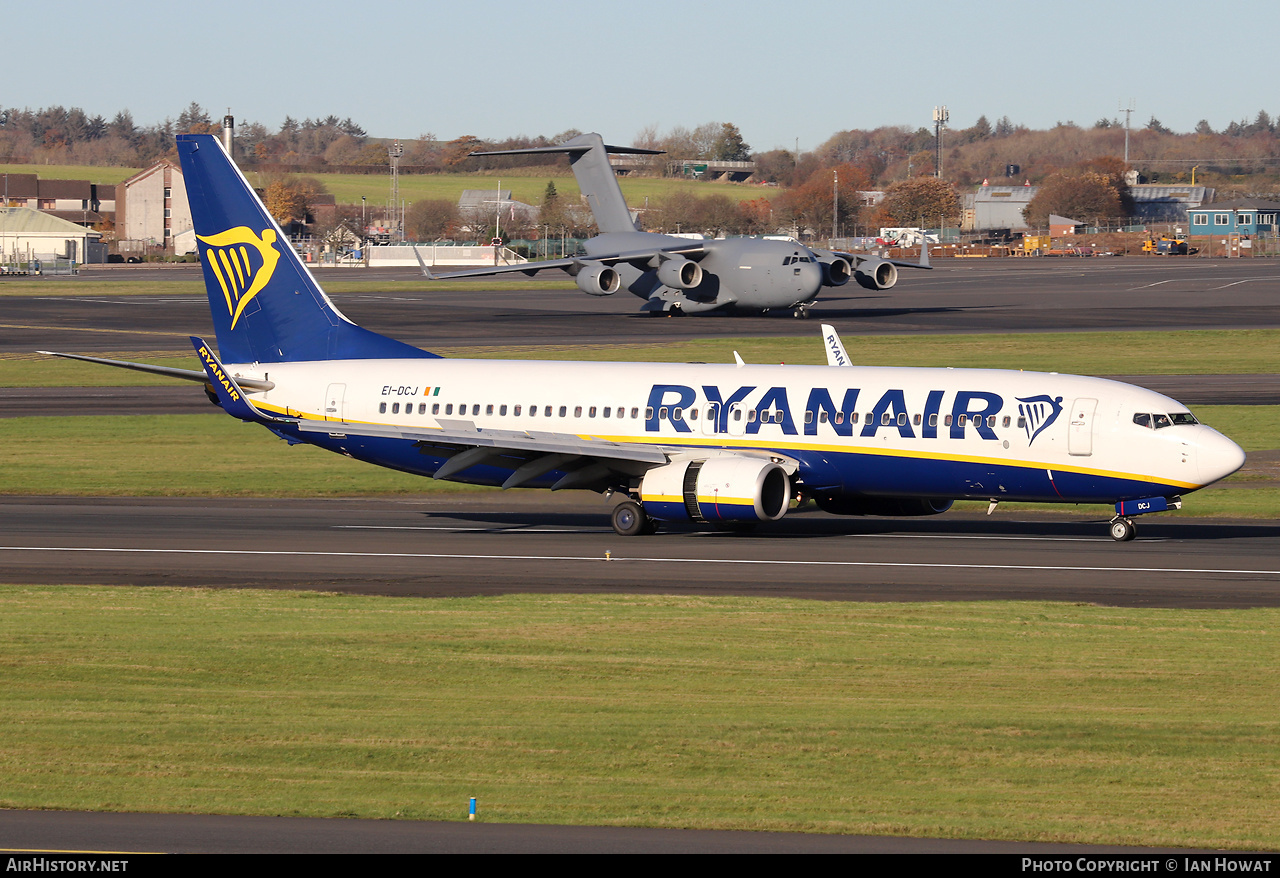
(720, 489)
(843, 504)
(598, 280)
(876, 274)
(680, 274)
(836, 272)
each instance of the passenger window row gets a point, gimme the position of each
(764, 416)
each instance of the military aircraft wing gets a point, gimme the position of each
(643, 258)
(856, 258)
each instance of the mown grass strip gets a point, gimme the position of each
(1218, 352)
(1043, 722)
(183, 456)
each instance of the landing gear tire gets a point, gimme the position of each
(800, 313)
(1123, 530)
(629, 519)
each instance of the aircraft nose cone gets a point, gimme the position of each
(810, 278)
(1217, 456)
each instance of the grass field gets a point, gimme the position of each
(348, 188)
(1085, 353)
(1027, 721)
(92, 173)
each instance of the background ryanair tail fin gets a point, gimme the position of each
(267, 308)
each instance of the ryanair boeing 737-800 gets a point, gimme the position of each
(714, 444)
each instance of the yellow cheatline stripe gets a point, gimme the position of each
(713, 500)
(794, 446)
(894, 452)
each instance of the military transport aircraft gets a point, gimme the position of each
(682, 275)
(720, 445)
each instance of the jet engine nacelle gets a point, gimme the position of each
(680, 274)
(598, 280)
(876, 274)
(836, 273)
(724, 489)
(843, 504)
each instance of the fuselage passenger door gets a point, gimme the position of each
(1080, 431)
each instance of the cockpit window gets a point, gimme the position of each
(1157, 421)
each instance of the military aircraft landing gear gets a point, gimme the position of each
(629, 520)
(1123, 530)
(801, 312)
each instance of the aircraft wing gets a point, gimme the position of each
(856, 259)
(645, 258)
(585, 460)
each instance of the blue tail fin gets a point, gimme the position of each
(267, 308)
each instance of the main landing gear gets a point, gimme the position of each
(630, 520)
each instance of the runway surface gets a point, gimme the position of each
(451, 545)
(959, 296)
(67, 832)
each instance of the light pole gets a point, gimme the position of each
(940, 119)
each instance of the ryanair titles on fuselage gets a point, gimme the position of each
(970, 410)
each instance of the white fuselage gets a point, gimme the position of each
(914, 432)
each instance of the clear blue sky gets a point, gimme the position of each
(779, 71)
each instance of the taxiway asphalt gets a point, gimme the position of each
(958, 296)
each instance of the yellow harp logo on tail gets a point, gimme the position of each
(243, 264)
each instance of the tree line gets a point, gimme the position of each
(823, 191)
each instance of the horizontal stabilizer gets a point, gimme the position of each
(230, 396)
(167, 371)
(572, 148)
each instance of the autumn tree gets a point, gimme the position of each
(810, 205)
(287, 198)
(1076, 193)
(431, 219)
(920, 201)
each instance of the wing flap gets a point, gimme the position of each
(456, 435)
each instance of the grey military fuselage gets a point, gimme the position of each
(691, 275)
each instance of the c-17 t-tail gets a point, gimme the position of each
(676, 274)
(720, 445)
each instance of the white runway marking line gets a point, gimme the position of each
(615, 559)
(604, 530)
(497, 528)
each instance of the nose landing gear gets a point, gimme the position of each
(1123, 530)
(1122, 526)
